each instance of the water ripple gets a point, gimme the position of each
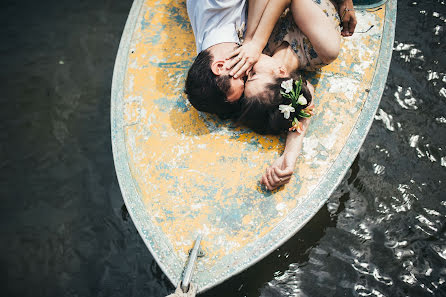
(405, 98)
(387, 119)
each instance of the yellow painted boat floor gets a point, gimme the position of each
(196, 173)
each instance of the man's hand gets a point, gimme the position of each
(243, 58)
(348, 17)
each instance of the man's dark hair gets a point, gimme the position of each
(261, 113)
(207, 91)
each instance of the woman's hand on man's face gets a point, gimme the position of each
(243, 58)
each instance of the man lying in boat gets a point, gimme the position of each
(276, 98)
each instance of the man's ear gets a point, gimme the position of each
(217, 67)
(283, 72)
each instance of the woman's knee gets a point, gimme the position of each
(330, 53)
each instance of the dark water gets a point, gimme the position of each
(65, 231)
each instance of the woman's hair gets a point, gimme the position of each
(261, 112)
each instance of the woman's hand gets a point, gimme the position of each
(348, 17)
(243, 58)
(279, 173)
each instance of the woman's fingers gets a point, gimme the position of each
(284, 173)
(264, 181)
(244, 70)
(272, 177)
(283, 176)
(270, 184)
(234, 53)
(269, 179)
(243, 58)
(238, 67)
(279, 180)
(234, 61)
(272, 180)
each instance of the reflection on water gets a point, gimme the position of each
(65, 231)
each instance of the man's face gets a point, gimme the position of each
(219, 65)
(237, 88)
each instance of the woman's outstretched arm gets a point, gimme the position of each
(280, 172)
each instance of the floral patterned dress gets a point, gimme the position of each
(287, 30)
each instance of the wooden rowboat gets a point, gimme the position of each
(183, 173)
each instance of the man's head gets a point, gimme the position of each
(209, 87)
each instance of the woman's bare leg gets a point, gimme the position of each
(318, 28)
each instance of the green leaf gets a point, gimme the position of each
(298, 87)
(286, 95)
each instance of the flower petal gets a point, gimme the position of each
(302, 100)
(287, 85)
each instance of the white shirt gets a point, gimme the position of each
(216, 21)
